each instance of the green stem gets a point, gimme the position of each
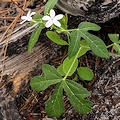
(64, 30)
(113, 44)
(34, 21)
(41, 22)
(113, 54)
(110, 45)
(69, 30)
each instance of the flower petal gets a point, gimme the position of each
(57, 23)
(24, 18)
(33, 13)
(58, 17)
(48, 23)
(23, 21)
(46, 18)
(28, 14)
(52, 13)
(29, 18)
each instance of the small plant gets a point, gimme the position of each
(116, 42)
(80, 40)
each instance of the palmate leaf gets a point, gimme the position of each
(76, 94)
(77, 88)
(70, 65)
(96, 44)
(85, 26)
(84, 47)
(116, 46)
(74, 44)
(64, 21)
(34, 37)
(51, 76)
(55, 38)
(60, 70)
(50, 72)
(55, 106)
(85, 73)
(113, 37)
(49, 5)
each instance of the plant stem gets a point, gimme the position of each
(110, 45)
(113, 44)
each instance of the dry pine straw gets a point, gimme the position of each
(9, 20)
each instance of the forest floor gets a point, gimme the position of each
(29, 104)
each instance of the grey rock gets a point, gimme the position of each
(98, 11)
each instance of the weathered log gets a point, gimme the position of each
(98, 11)
(20, 68)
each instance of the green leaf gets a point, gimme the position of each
(55, 38)
(82, 51)
(75, 78)
(55, 106)
(34, 37)
(37, 17)
(84, 44)
(85, 73)
(76, 94)
(70, 65)
(84, 47)
(49, 5)
(96, 44)
(74, 44)
(77, 89)
(113, 37)
(117, 48)
(85, 26)
(60, 70)
(50, 77)
(64, 21)
(50, 72)
(36, 81)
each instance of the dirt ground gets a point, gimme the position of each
(20, 102)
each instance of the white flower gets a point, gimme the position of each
(52, 19)
(28, 17)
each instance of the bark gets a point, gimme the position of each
(19, 69)
(8, 110)
(98, 11)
